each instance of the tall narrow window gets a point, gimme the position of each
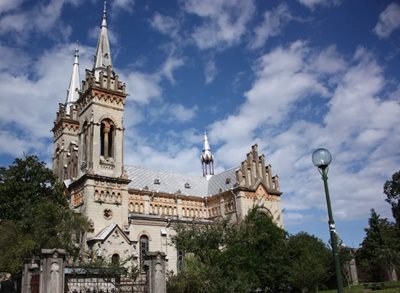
(181, 257)
(107, 130)
(85, 141)
(144, 248)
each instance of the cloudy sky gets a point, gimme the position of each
(290, 76)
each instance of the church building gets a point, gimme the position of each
(133, 209)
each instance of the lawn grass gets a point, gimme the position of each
(394, 288)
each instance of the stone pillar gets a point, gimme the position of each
(155, 261)
(30, 268)
(52, 267)
(179, 208)
(222, 206)
(353, 272)
(146, 204)
(241, 205)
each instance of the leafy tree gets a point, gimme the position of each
(226, 257)
(34, 213)
(310, 262)
(379, 252)
(392, 191)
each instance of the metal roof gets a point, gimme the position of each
(175, 183)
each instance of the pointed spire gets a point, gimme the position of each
(207, 158)
(103, 52)
(74, 85)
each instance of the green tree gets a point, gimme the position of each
(379, 252)
(34, 213)
(392, 191)
(226, 257)
(310, 262)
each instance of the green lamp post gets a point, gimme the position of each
(321, 158)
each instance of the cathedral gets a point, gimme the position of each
(133, 209)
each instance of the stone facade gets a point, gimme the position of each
(132, 210)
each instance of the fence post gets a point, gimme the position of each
(31, 268)
(52, 271)
(156, 272)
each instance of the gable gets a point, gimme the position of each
(111, 233)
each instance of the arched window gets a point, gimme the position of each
(107, 130)
(115, 259)
(144, 248)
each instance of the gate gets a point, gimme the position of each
(35, 283)
(86, 282)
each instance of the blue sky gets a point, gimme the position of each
(291, 76)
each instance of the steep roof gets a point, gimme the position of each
(175, 183)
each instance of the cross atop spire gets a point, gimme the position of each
(207, 158)
(74, 85)
(103, 23)
(103, 52)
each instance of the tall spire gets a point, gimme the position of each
(207, 158)
(74, 85)
(103, 52)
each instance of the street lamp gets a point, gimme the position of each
(321, 158)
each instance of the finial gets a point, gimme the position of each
(104, 23)
(76, 53)
(207, 158)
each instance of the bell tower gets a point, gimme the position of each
(100, 191)
(100, 109)
(66, 129)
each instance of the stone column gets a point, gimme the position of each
(52, 266)
(30, 268)
(179, 208)
(241, 205)
(146, 204)
(155, 261)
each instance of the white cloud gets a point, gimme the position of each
(360, 128)
(175, 157)
(142, 87)
(171, 64)
(13, 60)
(312, 4)
(173, 113)
(271, 26)
(123, 5)
(328, 61)
(294, 218)
(210, 71)
(27, 94)
(18, 146)
(165, 24)
(281, 81)
(389, 20)
(224, 22)
(42, 18)
(9, 5)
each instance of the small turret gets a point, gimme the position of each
(207, 159)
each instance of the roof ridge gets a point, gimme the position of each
(176, 172)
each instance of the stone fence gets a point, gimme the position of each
(49, 276)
